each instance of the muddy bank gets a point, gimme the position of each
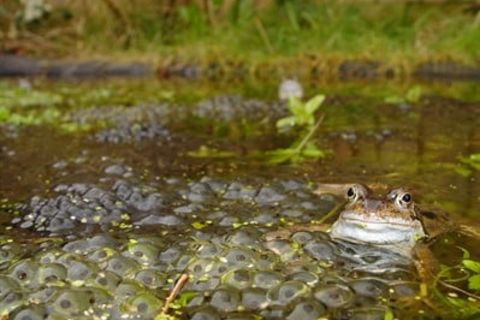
(18, 66)
(311, 67)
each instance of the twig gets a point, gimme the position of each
(332, 212)
(175, 291)
(452, 287)
(455, 288)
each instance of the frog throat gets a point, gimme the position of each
(371, 229)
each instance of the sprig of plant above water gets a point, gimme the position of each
(303, 114)
(302, 119)
(301, 122)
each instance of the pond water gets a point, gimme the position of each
(110, 190)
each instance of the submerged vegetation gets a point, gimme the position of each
(254, 31)
(451, 279)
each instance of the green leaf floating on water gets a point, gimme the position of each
(463, 171)
(312, 151)
(18, 97)
(414, 94)
(394, 100)
(294, 155)
(199, 225)
(279, 156)
(206, 152)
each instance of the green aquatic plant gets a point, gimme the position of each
(413, 95)
(47, 104)
(4, 114)
(472, 161)
(466, 165)
(301, 122)
(303, 119)
(302, 113)
(33, 117)
(388, 315)
(474, 278)
(465, 302)
(176, 300)
(16, 97)
(206, 152)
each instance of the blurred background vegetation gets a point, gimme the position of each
(256, 30)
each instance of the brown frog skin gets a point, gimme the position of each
(385, 222)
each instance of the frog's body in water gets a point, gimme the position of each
(392, 222)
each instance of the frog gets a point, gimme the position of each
(392, 222)
(395, 222)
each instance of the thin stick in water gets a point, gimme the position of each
(175, 292)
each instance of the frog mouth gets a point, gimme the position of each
(376, 220)
(372, 229)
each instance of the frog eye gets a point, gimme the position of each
(406, 197)
(355, 192)
(350, 193)
(402, 199)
